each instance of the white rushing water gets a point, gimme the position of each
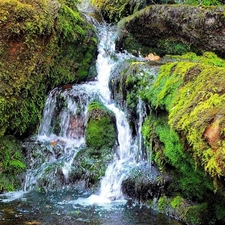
(116, 172)
(58, 116)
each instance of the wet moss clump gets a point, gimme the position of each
(193, 95)
(169, 153)
(11, 163)
(113, 11)
(101, 132)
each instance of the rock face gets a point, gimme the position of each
(144, 183)
(175, 26)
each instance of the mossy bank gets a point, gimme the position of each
(43, 44)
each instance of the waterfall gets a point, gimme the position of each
(61, 134)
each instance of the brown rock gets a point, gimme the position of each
(212, 132)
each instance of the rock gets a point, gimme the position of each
(212, 132)
(170, 29)
(76, 127)
(144, 182)
(152, 57)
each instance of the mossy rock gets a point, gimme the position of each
(43, 44)
(113, 10)
(193, 95)
(12, 163)
(183, 210)
(174, 29)
(101, 132)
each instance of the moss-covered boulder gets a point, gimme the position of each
(101, 132)
(90, 164)
(184, 124)
(174, 29)
(185, 130)
(43, 44)
(126, 83)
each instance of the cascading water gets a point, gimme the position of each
(61, 138)
(64, 121)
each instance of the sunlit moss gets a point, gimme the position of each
(43, 44)
(193, 95)
(168, 150)
(116, 10)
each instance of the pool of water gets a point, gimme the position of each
(69, 208)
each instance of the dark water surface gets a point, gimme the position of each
(60, 208)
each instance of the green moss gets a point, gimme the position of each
(100, 131)
(193, 95)
(176, 202)
(114, 10)
(189, 213)
(169, 154)
(11, 163)
(171, 47)
(197, 214)
(208, 58)
(43, 45)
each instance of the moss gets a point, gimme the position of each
(197, 214)
(187, 212)
(208, 58)
(172, 47)
(113, 11)
(100, 131)
(11, 163)
(169, 154)
(42, 46)
(193, 95)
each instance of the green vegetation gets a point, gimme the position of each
(101, 129)
(43, 44)
(113, 11)
(170, 155)
(11, 163)
(203, 2)
(196, 214)
(41, 48)
(186, 133)
(193, 95)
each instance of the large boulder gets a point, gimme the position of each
(174, 29)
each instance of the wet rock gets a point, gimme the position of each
(144, 182)
(76, 126)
